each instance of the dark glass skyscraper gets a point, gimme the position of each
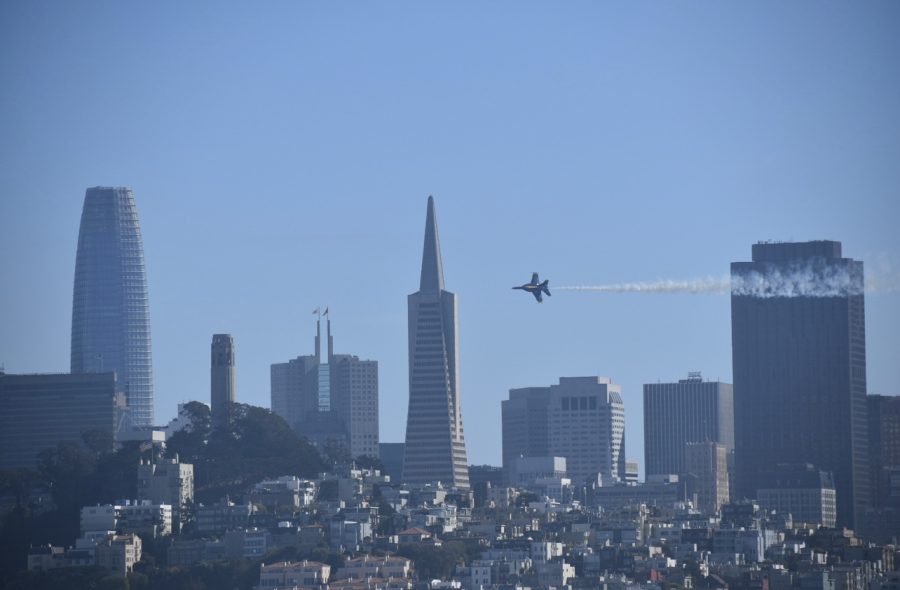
(435, 444)
(110, 310)
(799, 356)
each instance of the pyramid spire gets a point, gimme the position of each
(432, 267)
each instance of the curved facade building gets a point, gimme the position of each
(110, 310)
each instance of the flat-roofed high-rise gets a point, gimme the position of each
(38, 412)
(689, 411)
(110, 309)
(799, 356)
(435, 444)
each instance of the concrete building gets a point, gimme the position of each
(40, 411)
(706, 463)
(435, 442)
(525, 427)
(143, 518)
(330, 399)
(526, 470)
(799, 358)
(222, 379)
(119, 553)
(884, 447)
(662, 492)
(631, 471)
(689, 411)
(220, 517)
(802, 491)
(252, 543)
(167, 481)
(294, 574)
(369, 566)
(581, 420)
(110, 308)
(882, 519)
(285, 492)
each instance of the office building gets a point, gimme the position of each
(167, 481)
(435, 443)
(884, 449)
(802, 491)
(110, 309)
(527, 470)
(525, 426)
(799, 359)
(631, 471)
(882, 519)
(222, 382)
(38, 412)
(706, 474)
(142, 518)
(689, 411)
(330, 398)
(582, 419)
(391, 455)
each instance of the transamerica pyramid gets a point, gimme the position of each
(435, 444)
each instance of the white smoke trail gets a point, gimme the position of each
(802, 280)
(707, 285)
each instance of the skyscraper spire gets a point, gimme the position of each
(432, 268)
(435, 443)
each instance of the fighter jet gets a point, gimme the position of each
(536, 287)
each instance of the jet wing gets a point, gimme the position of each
(534, 278)
(537, 295)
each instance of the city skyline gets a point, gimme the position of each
(288, 171)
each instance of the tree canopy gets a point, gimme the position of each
(256, 444)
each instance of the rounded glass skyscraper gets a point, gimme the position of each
(110, 310)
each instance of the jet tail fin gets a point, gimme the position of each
(545, 287)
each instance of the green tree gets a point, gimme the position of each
(256, 444)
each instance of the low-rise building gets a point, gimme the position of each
(247, 543)
(287, 491)
(167, 481)
(119, 553)
(222, 516)
(293, 574)
(368, 566)
(145, 518)
(802, 491)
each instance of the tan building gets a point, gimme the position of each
(293, 574)
(706, 464)
(167, 481)
(119, 553)
(368, 566)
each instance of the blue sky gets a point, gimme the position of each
(281, 156)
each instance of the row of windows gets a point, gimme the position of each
(579, 403)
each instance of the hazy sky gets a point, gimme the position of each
(281, 155)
